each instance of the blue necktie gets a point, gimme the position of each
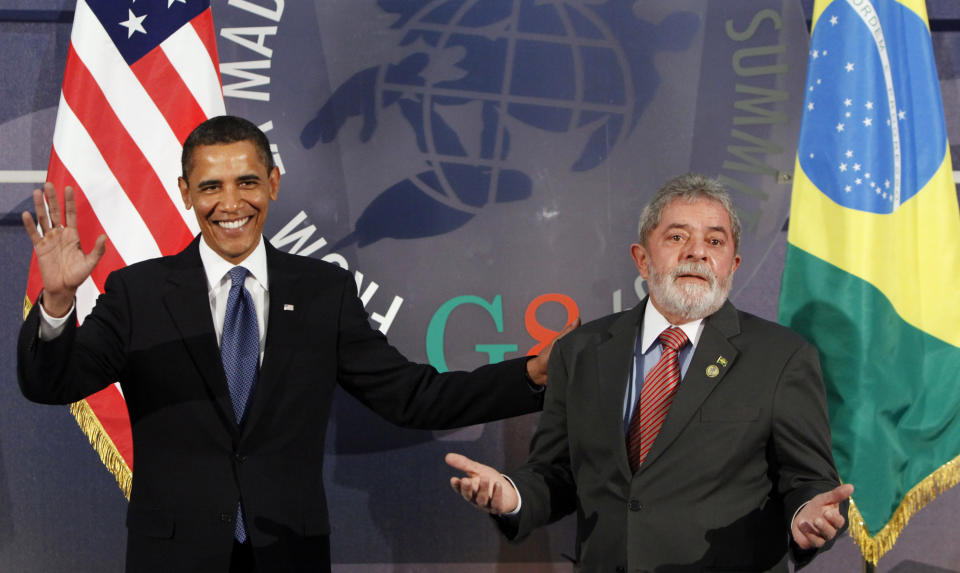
(240, 353)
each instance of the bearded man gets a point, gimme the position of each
(685, 434)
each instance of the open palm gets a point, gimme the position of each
(61, 261)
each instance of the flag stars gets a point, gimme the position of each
(856, 167)
(868, 105)
(811, 156)
(843, 167)
(815, 54)
(867, 176)
(839, 127)
(810, 106)
(819, 81)
(886, 183)
(884, 195)
(867, 122)
(823, 53)
(849, 153)
(134, 24)
(901, 114)
(846, 114)
(847, 188)
(858, 181)
(172, 2)
(848, 102)
(849, 67)
(833, 20)
(872, 184)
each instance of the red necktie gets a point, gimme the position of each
(657, 393)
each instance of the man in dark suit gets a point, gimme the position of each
(686, 435)
(228, 354)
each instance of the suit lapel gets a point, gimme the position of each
(286, 306)
(696, 384)
(188, 303)
(614, 364)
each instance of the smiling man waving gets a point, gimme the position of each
(228, 354)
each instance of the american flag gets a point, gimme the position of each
(140, 76)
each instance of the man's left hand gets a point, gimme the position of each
(537, 366)
(819, 520)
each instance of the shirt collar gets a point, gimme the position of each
(654, 323)
(216, 267)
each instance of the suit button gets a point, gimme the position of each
(240, 458)
(226, 517)
(635, 505)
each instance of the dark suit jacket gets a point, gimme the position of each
(152, 330)
(738, 452)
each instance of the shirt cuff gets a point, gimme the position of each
(795, 513)
(516, 510)
(51, 327)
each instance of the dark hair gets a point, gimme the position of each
(689, 187)
(225, 129)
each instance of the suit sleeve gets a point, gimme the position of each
(81, 360)
(545, 482)
(801, 439)
(417, 395)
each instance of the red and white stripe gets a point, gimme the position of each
(119, 134)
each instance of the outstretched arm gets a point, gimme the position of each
(62, 263)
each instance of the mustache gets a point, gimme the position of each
(691, 268)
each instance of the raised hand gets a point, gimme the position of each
(820, 519)
(62, 263)
(483, 487)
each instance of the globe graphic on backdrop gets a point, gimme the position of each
(466, 77)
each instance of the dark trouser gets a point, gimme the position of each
(241, 560)
(312, 556)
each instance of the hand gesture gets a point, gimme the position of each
(483, 487)
(819, 520)
(62, 263)
(537, 366)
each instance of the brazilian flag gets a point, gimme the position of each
(872, 273)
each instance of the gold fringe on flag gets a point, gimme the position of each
(91, 427)
(104, 446)
(873, 548)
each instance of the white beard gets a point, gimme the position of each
(690, 301)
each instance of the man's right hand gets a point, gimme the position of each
(62, 263)
(483, 487)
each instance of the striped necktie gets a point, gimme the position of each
(657, 393)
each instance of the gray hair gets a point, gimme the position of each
(689, 187)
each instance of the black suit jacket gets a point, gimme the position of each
(738, 453)
(152, 331)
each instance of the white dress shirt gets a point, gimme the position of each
(217, 270)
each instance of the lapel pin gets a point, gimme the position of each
(712, 371)
(721, 361)
(288, 307)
